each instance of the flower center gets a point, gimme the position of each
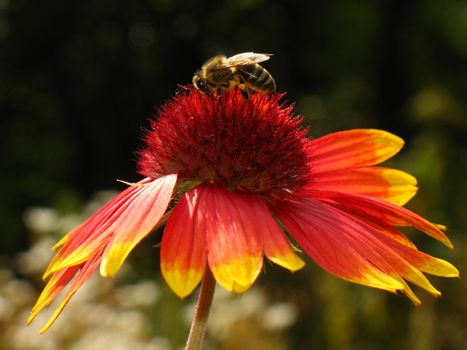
(251, 145)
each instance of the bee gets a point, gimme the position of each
(242, 71)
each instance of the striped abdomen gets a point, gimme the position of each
(256, 77)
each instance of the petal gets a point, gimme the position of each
(323, 230)
(133, 212)
(55, 285)
(276, 245)
(229, 223)
(391, 185)
(84, 241)
(86, 270)
(321, 233)
(384, 213)
(137, 221)
(424, 262)
(183, 248)
(233, 228)
(387, 230)
(352, 148)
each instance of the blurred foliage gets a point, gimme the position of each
(79, 79)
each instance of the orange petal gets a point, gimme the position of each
(352, 149)
(183, 248)
(391, 185)
(137, 221)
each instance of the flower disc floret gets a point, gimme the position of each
(245, 144)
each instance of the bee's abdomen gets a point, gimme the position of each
(258, 77)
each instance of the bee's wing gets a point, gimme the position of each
(245, 58)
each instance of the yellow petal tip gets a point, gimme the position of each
(181, 281)
(240, 288)
(290, 262)
(114, 258)
(106, 269)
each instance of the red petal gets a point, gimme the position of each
(183, 248)
(323, 236)
(387, 230)
(235, 256)
(355, 251)
(276, 245)
(55, 285)
(233, 229)
(381, 212)
(137, 221)
(84, 273)
(226, 222)
(82, 243)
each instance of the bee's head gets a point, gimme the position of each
(200, 83)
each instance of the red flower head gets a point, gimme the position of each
(240, 177)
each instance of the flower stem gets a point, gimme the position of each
(200, 318)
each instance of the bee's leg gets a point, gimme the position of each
(245, 94)
(243, 89)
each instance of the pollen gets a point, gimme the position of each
(244, 144)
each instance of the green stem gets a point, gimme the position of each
(200, 318)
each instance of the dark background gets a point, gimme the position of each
(78, 81)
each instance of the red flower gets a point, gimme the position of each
(241, 177)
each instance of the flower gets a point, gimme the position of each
(236, 179)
